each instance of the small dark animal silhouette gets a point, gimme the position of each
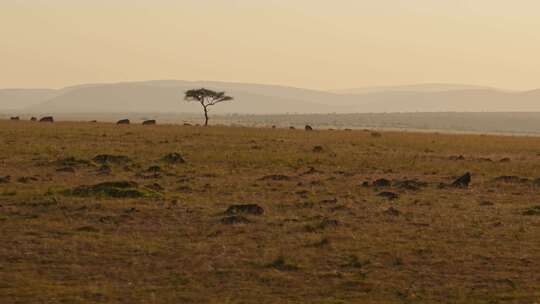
(33, 119)
(149, 122)
(463, 181)
(47, 119)
(123, 122)
(309, 128)
(15, 118)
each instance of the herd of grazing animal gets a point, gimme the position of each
(150, 122)
(50, 119)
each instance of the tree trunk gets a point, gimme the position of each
(205, 116)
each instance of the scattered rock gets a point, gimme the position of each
(389, 195)
(252, 209)
(310, 171)
(353, 261)
(87, 229)
(235, 220)
(381, 183)
(119, 189)
(532, 211)
(536, 182)
(282, 265)
(173, 158)
(463, 181)
(484, 159)
(322, 243)
(131, 210)
(328, 223)
(66, 170)
(155, 187)
(511, 179)
(154, 169)
(151, 172)
(275, 177)
(456, 157)
(324, 224)
(112, 159)
(329, 201)
(104, 170)
(412, 185)
(318, 149)
(72, 162)
(392, 211)
(26, 179)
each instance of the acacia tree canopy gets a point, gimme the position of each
(206, 98)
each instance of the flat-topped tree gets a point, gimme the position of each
(206, 98)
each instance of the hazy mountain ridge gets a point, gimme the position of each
(426, 87)
(18, 99)
(166, 96)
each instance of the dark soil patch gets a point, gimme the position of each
(311, 171)
(282, 265)
(382, 183)
(412, 185)
(26, 179)
(235, 220)
(119, 189)
(66, 170)
(275, 177)
(456, 157)
(252, 209)
(534, 211)
(112, 159)
(511, 179)
(72, 162)
(174, 158)
(392, 212)
(389, 195)
(318, 149)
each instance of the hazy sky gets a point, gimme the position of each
(307, 43)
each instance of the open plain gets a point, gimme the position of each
(100, 213)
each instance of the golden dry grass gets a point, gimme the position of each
(322, 239)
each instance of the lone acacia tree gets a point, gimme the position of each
(206, 98)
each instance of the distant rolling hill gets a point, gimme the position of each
(166, 96)
(19, 99)
(425, 88)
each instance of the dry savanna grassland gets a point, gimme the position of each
(100, 213)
